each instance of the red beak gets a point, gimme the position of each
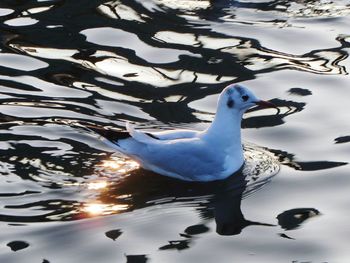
(265, 104)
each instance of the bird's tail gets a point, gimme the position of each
(139, 135)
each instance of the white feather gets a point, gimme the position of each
(138, 135)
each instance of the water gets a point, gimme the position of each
(161, 65)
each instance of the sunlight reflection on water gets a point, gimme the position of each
(95, 209)
(162, 65)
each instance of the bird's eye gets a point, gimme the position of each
(245, 97)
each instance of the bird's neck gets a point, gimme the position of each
(224, 135)
(226, 129)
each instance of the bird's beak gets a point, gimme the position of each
(265, 104)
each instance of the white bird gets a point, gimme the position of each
(212, 154)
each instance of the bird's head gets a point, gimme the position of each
(237, 97)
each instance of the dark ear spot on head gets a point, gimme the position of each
(230, 103)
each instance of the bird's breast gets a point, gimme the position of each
(233, 160)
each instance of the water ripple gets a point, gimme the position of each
(161, 64)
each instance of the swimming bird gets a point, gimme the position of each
(212, 154)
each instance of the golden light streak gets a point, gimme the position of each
(111, 164)
(95, 209)
(97, 185)
(119, 165)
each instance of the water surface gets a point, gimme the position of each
(160, 64)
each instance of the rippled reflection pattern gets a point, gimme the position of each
(160, 64)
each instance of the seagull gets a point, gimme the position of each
(209, 155)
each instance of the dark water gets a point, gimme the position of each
(161, 64)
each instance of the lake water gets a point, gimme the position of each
(160, 64)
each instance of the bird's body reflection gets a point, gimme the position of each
(219, 200)
(227, 207)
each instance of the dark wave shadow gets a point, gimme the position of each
(284, 109)
(289, 159)
(342, 139)
(293, 218)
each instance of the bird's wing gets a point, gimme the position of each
(149, 137)
(140, 136)
(175, 134)
(181, 158)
